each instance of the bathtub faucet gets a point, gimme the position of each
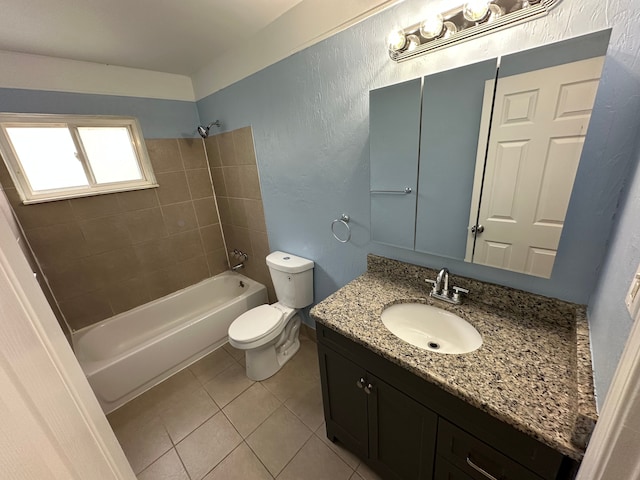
(237, 267)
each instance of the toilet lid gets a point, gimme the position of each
(255, 323)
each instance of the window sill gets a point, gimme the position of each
(67, 195)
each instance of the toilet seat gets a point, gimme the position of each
(256, 323)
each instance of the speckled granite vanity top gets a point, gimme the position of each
(533, 370)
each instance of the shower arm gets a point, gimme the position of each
(204, 131)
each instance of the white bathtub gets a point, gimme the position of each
(125, 355)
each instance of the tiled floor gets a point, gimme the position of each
(211, 422)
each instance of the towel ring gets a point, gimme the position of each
(344, 220)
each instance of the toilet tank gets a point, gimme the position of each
(292, 278)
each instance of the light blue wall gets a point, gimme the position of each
(309, 115)
(158, 118)
(610, 321)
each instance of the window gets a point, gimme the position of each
(52, 157)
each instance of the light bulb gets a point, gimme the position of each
(396, 40)
(432, 27)
(449, 29)
(414, 42)
(476, 10)
(495, 11)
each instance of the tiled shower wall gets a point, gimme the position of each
(106, 254)
(109, 253)
(235, 177)
(35, 268)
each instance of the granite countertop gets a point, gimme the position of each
(533, 370)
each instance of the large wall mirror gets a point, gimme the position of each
(478, 163)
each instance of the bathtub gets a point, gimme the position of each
(127, 354)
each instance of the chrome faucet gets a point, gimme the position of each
(443, 276)
(242, 256)
(440, 288)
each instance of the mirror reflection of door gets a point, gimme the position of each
(538, 127)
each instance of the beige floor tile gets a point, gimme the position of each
(187, 412)
(236, 353)
(162, 395)
(289, 381)
(307, 357)
(356, 476)
(143, 440)
(307, 406)
(207, 446)
(129, 412)
(366, 473)
(349, 458)
(208, 367)
(251, 408)
(316, 462)
(242, 464)
(167, 467)
(278, 439)
(228, 385)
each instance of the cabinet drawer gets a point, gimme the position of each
(445, 471)
(475, 458)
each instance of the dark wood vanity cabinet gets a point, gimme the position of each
(374, 420)
(406, 428)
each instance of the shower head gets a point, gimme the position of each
(204, 131)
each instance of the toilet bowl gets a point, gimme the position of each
(269, 333)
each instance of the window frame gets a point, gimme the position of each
(73, 122)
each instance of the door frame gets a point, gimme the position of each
(614, 449)
(51, 423)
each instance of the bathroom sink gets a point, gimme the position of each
(431, 328)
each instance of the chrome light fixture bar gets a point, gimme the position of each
(473, 19)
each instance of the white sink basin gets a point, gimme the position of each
(431, 328)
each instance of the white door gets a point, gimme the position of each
(51, 426)
(539, 123)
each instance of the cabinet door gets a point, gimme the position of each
(394, 132)
(402, 433)
(344, 400)
(451, 116)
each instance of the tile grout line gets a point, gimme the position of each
(200, 384)
(259, 459)
(336, 454)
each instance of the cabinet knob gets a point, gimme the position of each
(360, 383)
(368, 388)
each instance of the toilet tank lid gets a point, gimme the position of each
(285, 262)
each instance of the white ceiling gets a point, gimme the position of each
(173, 36)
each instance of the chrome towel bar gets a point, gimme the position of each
(393, 192)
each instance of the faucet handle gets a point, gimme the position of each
(434, 288)
(458, 291)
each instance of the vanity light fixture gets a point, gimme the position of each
(473, 19)
(476, 11)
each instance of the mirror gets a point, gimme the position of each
(490, 181)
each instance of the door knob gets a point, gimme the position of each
(477, 229)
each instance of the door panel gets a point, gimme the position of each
(540, 121)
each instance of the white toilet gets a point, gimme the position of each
(269, 333)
